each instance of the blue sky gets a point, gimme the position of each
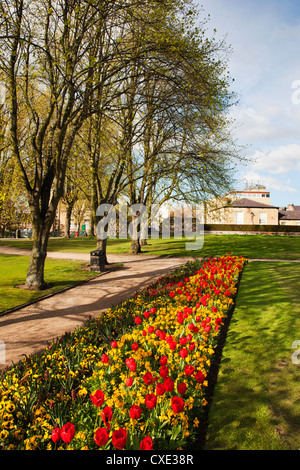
(265, 63)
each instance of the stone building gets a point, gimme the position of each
(251, 206)
(289, 215)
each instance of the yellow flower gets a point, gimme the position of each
(3, 434)
(196, 423)
(10, 407)
(82, 392)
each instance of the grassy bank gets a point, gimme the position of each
(256, 400)
(249, 246)
(59, 274)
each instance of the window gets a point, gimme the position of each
(239, 218)
(263, 218)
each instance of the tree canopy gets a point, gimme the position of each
(133, 91)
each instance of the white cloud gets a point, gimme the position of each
(278, 161)
(254, 125)
(264, 35)
(270, 182)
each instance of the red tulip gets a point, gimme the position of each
(101, 436)
(97, 398)
(130, 363)
(67, 432)
(164, 372)
(160, 389)
(106, 415)
(129, 382)
(135, 412)
(189, 370)
(104, 358)
(181, 388)
(180, 318)
(162, 335)
(119, 438)
(146, 443)
(148, 378)
(163, 360)
(150, 400)
(199, 376)
(177, 404)
(169, 384)
(114, 344)
(55, 436)
(183, 353)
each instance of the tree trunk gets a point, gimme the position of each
(135, 247)
(101, 245)
(35, 274)
(134, 231)
(68, 220)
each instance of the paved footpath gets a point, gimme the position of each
(30, 329)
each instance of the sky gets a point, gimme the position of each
(264, 36)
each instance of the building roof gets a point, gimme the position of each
(290, 215)
(291, 212)
(249, 203)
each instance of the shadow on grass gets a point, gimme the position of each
(256, 404)
(212, 377)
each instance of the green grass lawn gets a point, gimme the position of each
(250, 246)
(59, 274)
(256, 403)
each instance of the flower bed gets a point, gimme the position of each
(134, 378)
